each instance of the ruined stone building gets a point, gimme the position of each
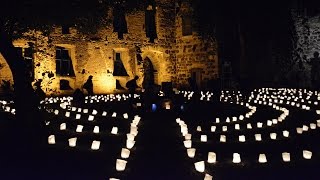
(162, 36)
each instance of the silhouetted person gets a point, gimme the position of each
(315, 67)
(78, 97)
(38, 90)
(88, 85)
(132, 86)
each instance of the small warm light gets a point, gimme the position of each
(95, 145)
(125, 153)
(90, 118)
(130, 144)
(187, 143)
(285, 133)
(199, 128)
(114, 114)
(121, 165)
(223, 138)
(212, 157)
(72, 142)
(307, 154)
(114, 179)
(79, 128)
(94, 112)
(114, 130)
(237, 126)
(130, 137)
(207, 177)
(269, 123)
(213, 128)
(167, 106)
(236, 158)
(273, 136)
(63, 126)
(125, 115)
(78, 116)
(51, 139)
(85, 111)
(200, 166)
(67, 114)
(262, 158)
(286, 157)
(242, 138)
(305, 128)
(96, 129)
(249, 126)
(299, 130)
(259, 125)
(203, 138)
(217, 120)
(138, 104)
(224, 128)
(258, 137)
(187, 137)
(104, 113)
(191, 152)
(313, 126)
(56, 112)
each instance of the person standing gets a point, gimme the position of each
(132, 85)
(88, 85)
(315, 67)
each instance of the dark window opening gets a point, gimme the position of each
(63, 62)
(119, 69)
(186, 25)
(150, 21)
(27, 54)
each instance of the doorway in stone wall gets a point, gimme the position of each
(149, 73)
(196, 73)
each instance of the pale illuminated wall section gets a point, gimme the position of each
(5, 72)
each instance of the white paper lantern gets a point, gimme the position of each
(299, 130)
(286, 157)
(114, 179)
(104, 113)
(217, 120)
(114, 130)
(78, 116)
(273, 136)
(224, 128)
(274, 121)
(259, 124)
(234, 119)
(313, 126)
(241, 117)
(121, 165)
(72, 142)
(307, 154)
(138, 104)
(242, 138)
(187, 143)
(94, 112)
(79, 109)
(96, 129)
(212, 157)
(130, 144)
(191, 152)
(114, 114)
(130, 137)
(51, 139)
(90, 118)
(258, 137)
(285, 133)
(63, 126)
(79, 128)
(269, 123)
(95, 145)
(125, 153)
(305, 128)
(85, 111)
(187, 137)
(200, 166)
(223, 138)
(213, 128)
(237, 127)
(262, 158)
(199, 128)
(203, 138)
(67, 114)
(228, 120)
(249, 126)
(56, 112)
(207, 177)
(125, 116)
(236, 158)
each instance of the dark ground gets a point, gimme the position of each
(159, 152)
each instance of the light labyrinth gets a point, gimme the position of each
(253, 141)
(87, 128)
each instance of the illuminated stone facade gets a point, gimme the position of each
(174, 56)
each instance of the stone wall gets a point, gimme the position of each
(172, 55)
